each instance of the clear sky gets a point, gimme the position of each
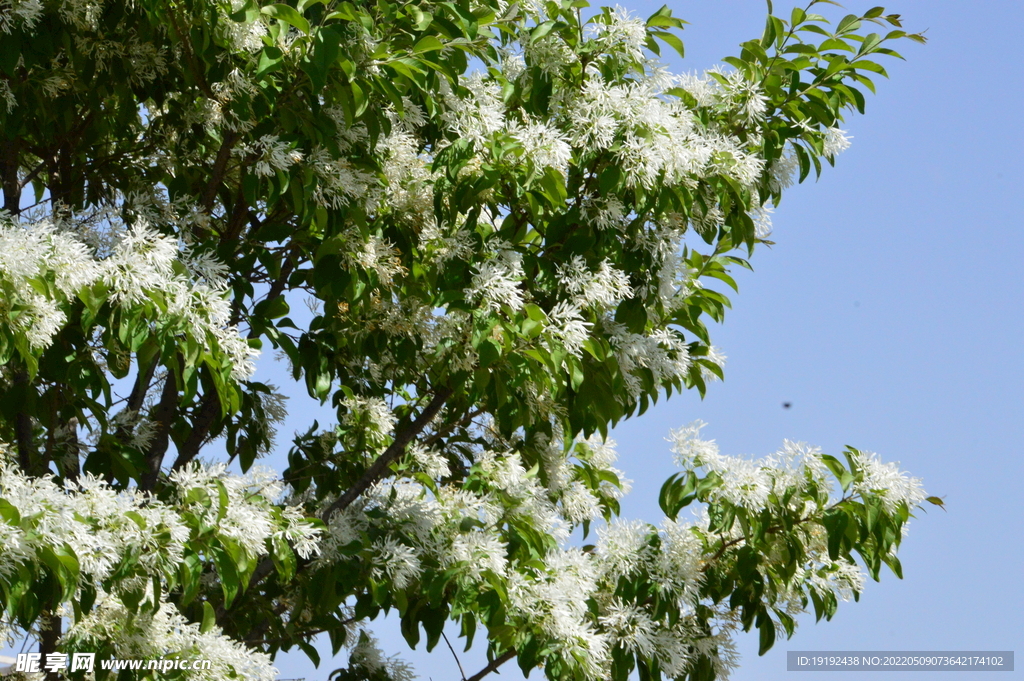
(889, 314)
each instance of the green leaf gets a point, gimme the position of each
(271, 59)
(284, 558)
(209, 618)
(766, 633)
(9, 513)
(288, 15)
(427, 44)
(228, 574)
(275, 308)
(310, 651)
(421, 19)
(541, 31)
(851, 22)
(672, 40)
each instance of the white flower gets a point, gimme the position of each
(543, 145)
(476, 552)
(835, 142)
(704, 89)
(630, 626)
(164, 633)
(271, 155)
(550, 54)
(606, 287)
(892, 485)
(744, 482)
(716, 356)
(430, 461)
(339, 183)
(623, 34)
(578, 504)
(478, 116)
(762, 217)
(623, 546)
(366, 653)
(7, 95)
(747, 96)
(677, 566)
(399, 562)
(497, 282)
(25, 12)
(569, 327)
(372, 415)
(663, 352)
(782, 172)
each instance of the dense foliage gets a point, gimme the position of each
(503, 216)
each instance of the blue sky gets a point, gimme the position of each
(889, 315)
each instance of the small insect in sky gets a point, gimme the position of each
(787, 405)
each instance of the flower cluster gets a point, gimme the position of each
(126, 539)
(43, 268)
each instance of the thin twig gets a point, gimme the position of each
(462, 672)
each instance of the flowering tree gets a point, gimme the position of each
(502, 216)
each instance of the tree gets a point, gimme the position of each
(504, 216)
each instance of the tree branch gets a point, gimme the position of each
(40, 167)
(138, 394)
(220, 166)
(379, 468)
(452, 426)
(67, 461)
(9, 177)
(375, 472)
(27, 451)
(162, 416)
(209, 407)
(190, 57)
(493, 666)
(49, 639)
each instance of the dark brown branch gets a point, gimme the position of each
(27, 451)
(32, 175)
(136, 398)
(190, 56)
(378, 469)
(209, 408)
(493, 666)
(9, 178)
(67, 460)
(375, 472)
(162, 416)
(220, 166)
(49, 638)
(452, 426)
(239, 216)
(285, 639)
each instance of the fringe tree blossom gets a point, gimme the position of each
(573, 599)
(130, 539)
(144, 269)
